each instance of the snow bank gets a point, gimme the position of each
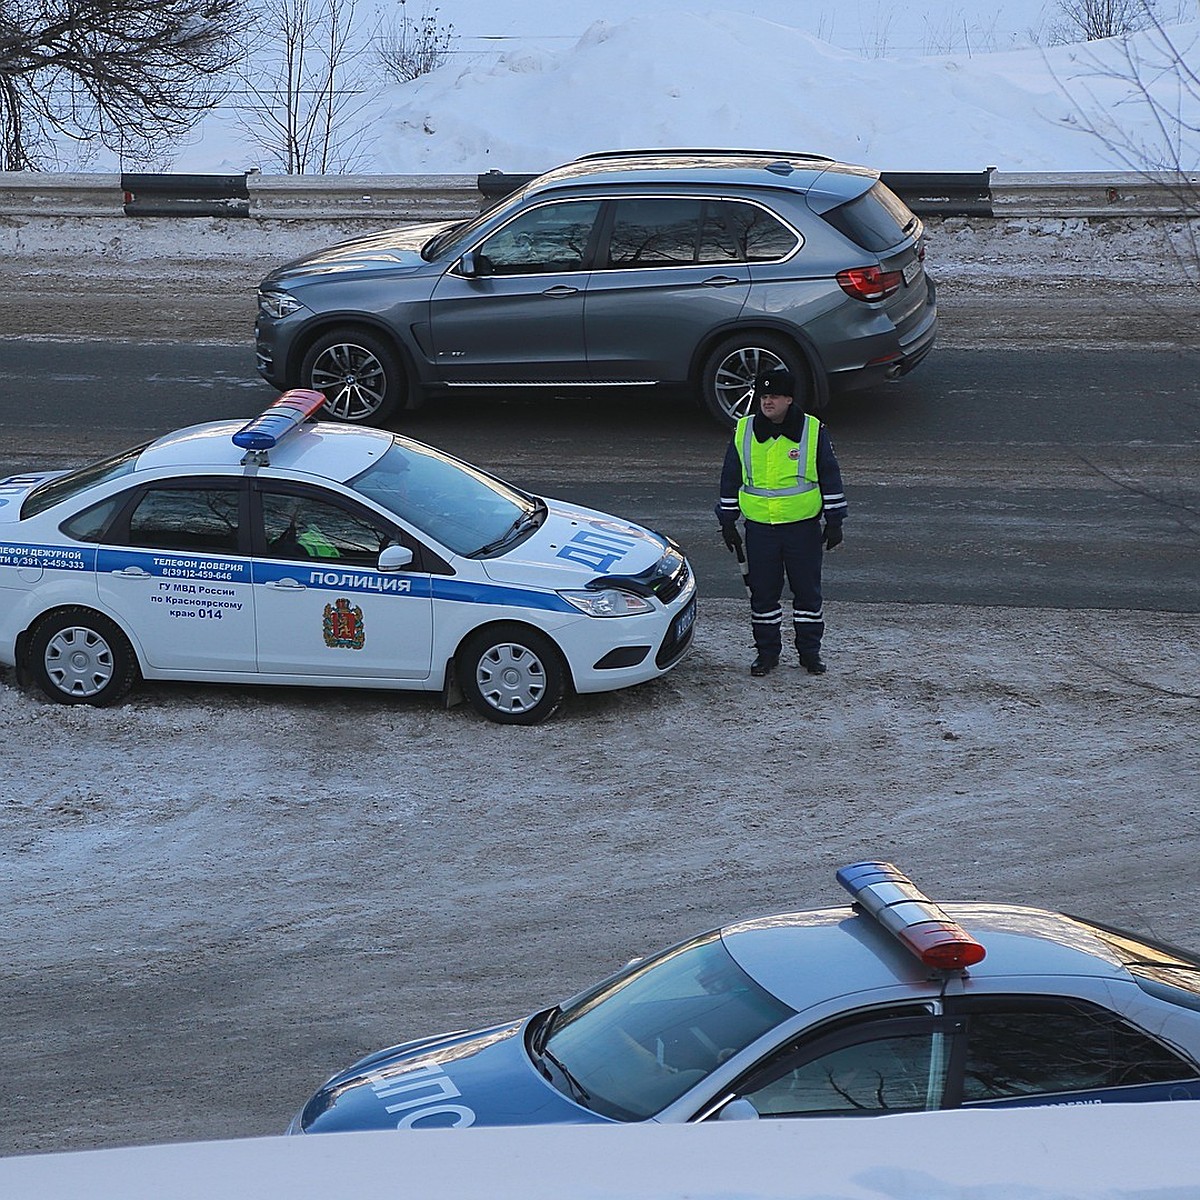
(1103, 1151)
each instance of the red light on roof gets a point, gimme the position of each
(942, 944)
(918, 924)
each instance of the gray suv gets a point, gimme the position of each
(670, 269)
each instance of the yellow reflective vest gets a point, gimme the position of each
(317, 545)
(779, 476)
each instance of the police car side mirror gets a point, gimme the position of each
(395, 558)
(738, 1109)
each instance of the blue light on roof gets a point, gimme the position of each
(289, 412)
(901, 908)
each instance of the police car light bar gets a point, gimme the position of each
(910, 916)
(289, 412)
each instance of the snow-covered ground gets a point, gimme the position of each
(921, 86)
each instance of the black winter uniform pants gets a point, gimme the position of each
(773, 552)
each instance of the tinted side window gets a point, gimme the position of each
(759, 236)
(551, 237)
(654, 233)
(718, 243)
(304, 527)
(89, 525)
(876, 221)
(203, 520)
(901, 1073)
(1078, 1048)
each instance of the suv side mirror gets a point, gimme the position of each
(473, 264)
(395, 558)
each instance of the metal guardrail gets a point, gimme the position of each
(930, 194)
(394, 199)
(185, 195)
(943, 194)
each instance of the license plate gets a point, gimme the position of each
(912, 271)
(684, 621)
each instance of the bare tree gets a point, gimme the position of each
(410, 48)
(1092, 20)
(307, 85)
(1157, 71)
(129, 74)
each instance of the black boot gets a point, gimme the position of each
(762, 664)
(810, 660)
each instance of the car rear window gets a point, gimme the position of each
(1157, 968)
(63, 487)
(876, 221)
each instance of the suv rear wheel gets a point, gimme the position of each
(361, 375)
(727, 377)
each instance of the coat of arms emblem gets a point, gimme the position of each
(344, 625)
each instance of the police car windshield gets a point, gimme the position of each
(457, 505)
(54, 491)
(638, 1041)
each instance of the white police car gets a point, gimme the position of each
(287, 551)
(893, 1005)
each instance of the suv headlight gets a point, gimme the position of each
(611, 602)
(277, 304)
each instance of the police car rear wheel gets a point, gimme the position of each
(359, 373)
(77, 656)
(512, 674)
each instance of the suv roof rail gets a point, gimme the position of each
(650, 152)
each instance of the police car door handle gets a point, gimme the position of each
(133, 573)
(560, 290)
(286, 585)
(720, 281)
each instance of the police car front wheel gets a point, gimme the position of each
(512, 674)
(77, 656)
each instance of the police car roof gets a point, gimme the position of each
(805, 958)
(320, 448)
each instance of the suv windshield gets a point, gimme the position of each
(461, 230)
(463, 508)
(638, 1041)
(63, 487)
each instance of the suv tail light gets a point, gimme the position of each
(869, 283)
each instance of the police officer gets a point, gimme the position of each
(782, 475)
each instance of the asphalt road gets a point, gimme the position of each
(1060, 478)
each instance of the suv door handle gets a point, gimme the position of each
(132, 573)
(286, 585)
(720, 281)
(561, 290)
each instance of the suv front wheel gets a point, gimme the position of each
(361, 375)
(727, 377)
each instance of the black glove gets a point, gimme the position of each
(833, 534)
(732, 539)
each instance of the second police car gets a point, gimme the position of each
(892, 1005)
(289, 551)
